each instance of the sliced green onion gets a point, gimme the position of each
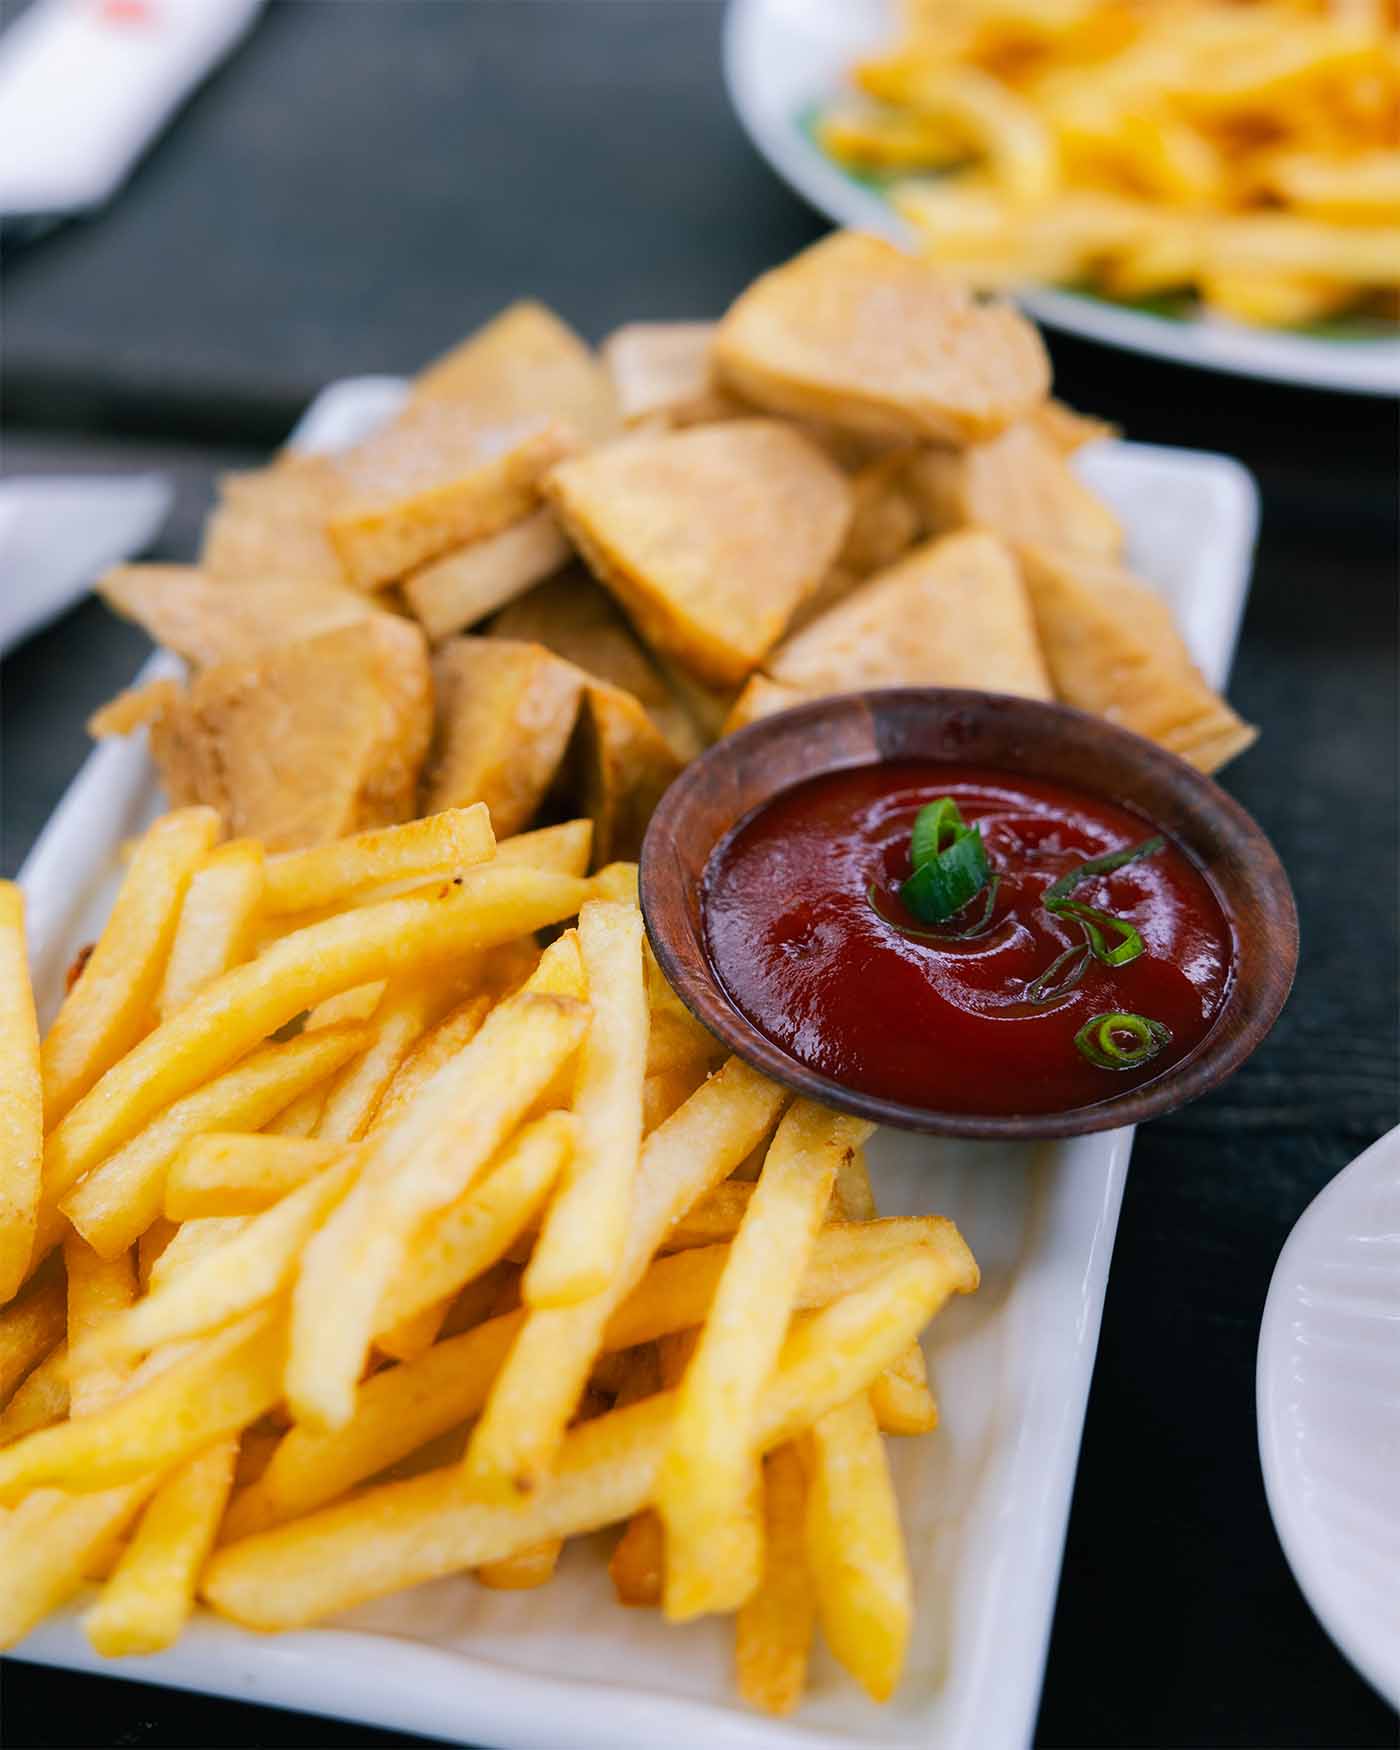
(937, 825)
(1100, 1040)
(939, 890)
(1105, 865)
(1048, 987)
(979, 928)
(1095, 923)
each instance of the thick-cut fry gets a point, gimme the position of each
(243, 1007)
(217, 922)
(232, 1174)
(408, 1532)
(113, 1206)
(353, 1097)
(237, 1277)
(717, 1216)
(218, 1388)
(469, 1236)
(48, 1545)
(29, 1328)
(518, 1435)
(713, 1543)
(192, 1241)
(855, 1547)
(452, 1034)
(414, 1167)
(100, 1291)
(565, 848)
(21, 1097)
(148, 1599)
(112, 1004)
(42, 1399)
(400, 1410)
(773, 1630)
(299, 1120)
(332, 874)
(581, 1240)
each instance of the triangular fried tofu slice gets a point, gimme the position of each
(617, 768)
(710, 538)
(886, 520)
(207, 620)
(306, 742)
(272, 522)
(525, 363)
(1018, 485)
(761, 698)
(662, 374)
(433, 479)
(855, 331)
(577, 619)
(505, 714)
(1113, 648)
(954, 613)
(467, 585)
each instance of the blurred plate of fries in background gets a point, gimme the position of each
(1213, 182)
(501, 1657)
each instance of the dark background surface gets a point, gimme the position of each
(354, 190)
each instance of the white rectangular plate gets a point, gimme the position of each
(985, 1499)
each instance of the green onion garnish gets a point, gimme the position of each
(1047, 988)
(949, 861)
(1094, 924)
(1105, 865)
(1121, 1041)
(980, 927)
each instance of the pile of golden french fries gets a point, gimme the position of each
(350, 1237)
(1244, 150)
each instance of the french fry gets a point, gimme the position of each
(217, 924)
(714, 1547)
(470, 1235)
(773, 1629)
(401, 1409)
(298, 1121)
(518, 1435)
(29, 1328)
(114, 1205)
(239, 1010)
(50, 1543)
(332, 874)
(100, 1290)
(405, 1533)
(221, 1385)
(564, 849)
(150, 1248)
(148, 1599)
(667, 1090)
(417, 1165)
(353, 1097)
(717, 1216)
(526, 1569)
(21, 1098)
(582, 1236)
(442, 1041)
(192, 1241)
(234, 1174)
(42, 1399)
(855, 1548)
(637, 1566)
(234, 1279)
(111, 1005)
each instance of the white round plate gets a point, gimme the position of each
(781, 57)
(1329, 1409)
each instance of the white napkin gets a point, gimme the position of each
(85, 85)
(57, 534)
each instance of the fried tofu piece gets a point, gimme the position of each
(577, 619)
(525, 363)
(307, 742)
(762, 698)
(1019, 486)
(710, 538)
(272, 522)
(855, 331)
(1068, 429)
(435, 479)
(886, 521)
(208, 620)
(505, 715)
(618, 766)
(953, 614)
(1112, 647)
(461, 588)
(662, 374)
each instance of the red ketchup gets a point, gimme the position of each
(801, 906)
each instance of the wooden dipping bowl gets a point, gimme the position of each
(1023, 736)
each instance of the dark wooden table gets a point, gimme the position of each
(362, 184)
